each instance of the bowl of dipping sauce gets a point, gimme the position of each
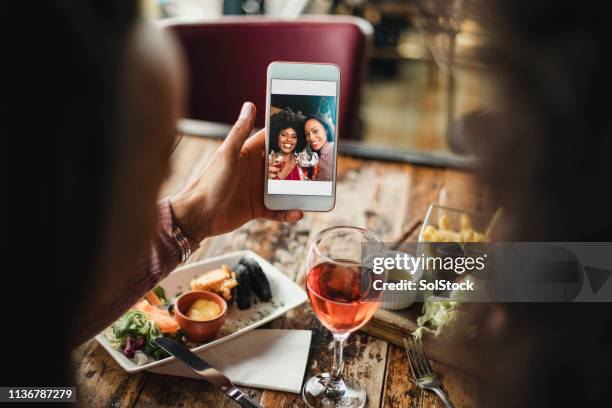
(200, 314)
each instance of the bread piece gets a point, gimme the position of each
(220, 281)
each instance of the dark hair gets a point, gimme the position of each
(548, 163)
(59, 124)
(328, 127)
(287, 119)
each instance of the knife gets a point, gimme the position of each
(209, 373)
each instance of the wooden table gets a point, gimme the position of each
(380, 196)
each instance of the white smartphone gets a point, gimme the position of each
(301, 136)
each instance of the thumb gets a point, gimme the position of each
(242, 128)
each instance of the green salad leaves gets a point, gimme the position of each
(161, 294)
(135, 325)
(437, 314)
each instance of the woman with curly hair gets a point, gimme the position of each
(286, 134)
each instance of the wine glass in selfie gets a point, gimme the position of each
(314, 163)
(280, 163)
(277, 160)
(302, 162)
(341, 289)
(308, 162)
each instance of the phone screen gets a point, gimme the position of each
(302, 134)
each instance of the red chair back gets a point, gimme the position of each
(228, 60)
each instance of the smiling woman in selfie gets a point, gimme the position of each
(319, 135)
(286, 135)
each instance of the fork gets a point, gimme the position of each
(421, 370)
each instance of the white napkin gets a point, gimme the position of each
(267, 358)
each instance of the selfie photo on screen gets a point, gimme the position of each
(301, 141)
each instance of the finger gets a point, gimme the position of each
(242, 128)
(283, 216)
(257, 142)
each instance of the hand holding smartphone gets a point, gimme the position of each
(301, 132)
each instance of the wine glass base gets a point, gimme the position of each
(316, 394)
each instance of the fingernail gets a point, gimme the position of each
(245, 112)
(294, 215)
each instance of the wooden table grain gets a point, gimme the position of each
(380, 196)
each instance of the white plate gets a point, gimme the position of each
(286, 295)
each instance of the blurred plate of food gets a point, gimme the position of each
(253, 291)
(451, 232)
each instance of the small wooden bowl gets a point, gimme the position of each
(199, 331)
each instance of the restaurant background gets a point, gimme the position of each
(422, 85)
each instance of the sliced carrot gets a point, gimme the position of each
(160, 316)
(153, 299)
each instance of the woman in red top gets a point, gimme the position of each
(286, 134)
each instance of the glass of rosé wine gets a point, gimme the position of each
(342, 294)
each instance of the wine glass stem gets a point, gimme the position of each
(336, 374)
